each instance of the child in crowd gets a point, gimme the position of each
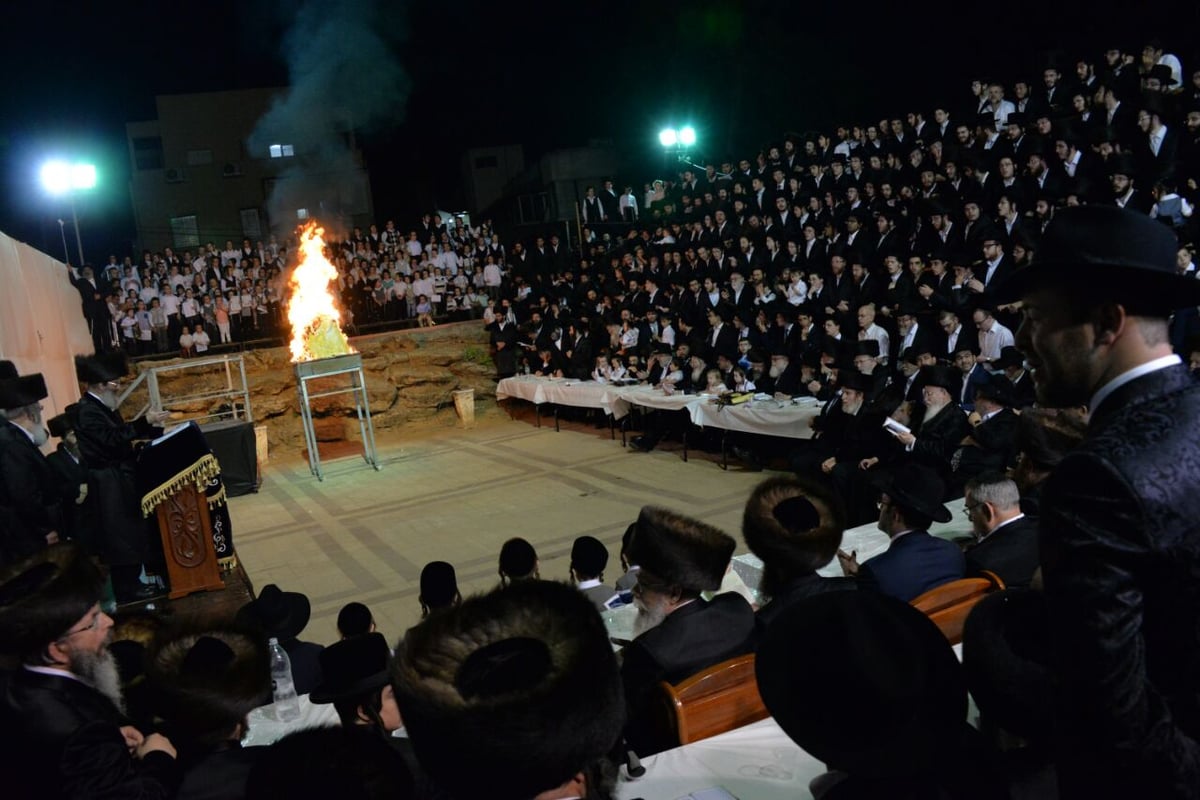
(617, 370)
(425, 312)
(600, 372)
(741, 383)
(200, 340)
(186, 348)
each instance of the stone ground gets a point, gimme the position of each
(455, 495)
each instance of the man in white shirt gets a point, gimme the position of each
(993, 337)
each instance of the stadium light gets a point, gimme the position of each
(687, 136)
(61, 178)
(668, 137)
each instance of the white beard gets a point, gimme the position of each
(100, 670)
(648, 618)
(775, 371)
(852, 410)
(933, 411)
(40, 436)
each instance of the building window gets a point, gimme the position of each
(533, 208)
(148, 152)
(485, 162)
(301, 213)
(251, 224)
(197, 158)
(282, 151)
(185, 232)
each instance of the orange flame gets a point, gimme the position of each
(312, 309)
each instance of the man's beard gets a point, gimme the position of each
(40, 436)
(852, 409)
(932, 410)
(776, 371)
(100, 670)
(110, 399)
(648, 617)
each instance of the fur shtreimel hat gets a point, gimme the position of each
(520, 683)
(42, 596)
(792, 525)
(680, 550)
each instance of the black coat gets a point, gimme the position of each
(78, 518)
(29, 496)
(692, 638)
(219, 774)
(994, 447)
(504, 357)
(1120, 549)
(938, 438)
(799, 589)
(70, 745)
(1011, 552)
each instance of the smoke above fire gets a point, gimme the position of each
(345, 78)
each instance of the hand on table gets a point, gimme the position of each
(848, 561)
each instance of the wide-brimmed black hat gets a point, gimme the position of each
(205, 684)
(909, 697)
(850, 378)
(680, 550)
(352, 667)
(916, 487)
(482, 683)
(996, 388)
(1163, 73)
(22, 391)
(792, 525)
(44, 595)
(589, 556)
(1009, 357)
(1111, 249)
(866, 347)
(63, 423)
(279, 614)
(101, 368)
(948, 378)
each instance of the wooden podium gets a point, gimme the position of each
(173, 473)
(186, 530)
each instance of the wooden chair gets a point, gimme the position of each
(949, 604)
(719, 699)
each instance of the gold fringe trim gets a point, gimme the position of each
(217, 499)
(197, 474)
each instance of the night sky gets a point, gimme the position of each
(497, 72)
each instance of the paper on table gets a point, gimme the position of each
(170, 433)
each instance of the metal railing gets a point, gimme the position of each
(237, 395)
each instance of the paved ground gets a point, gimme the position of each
(456, 495)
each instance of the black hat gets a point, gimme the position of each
(589, 556)
(916, 488)
(1016, 118)
(1122, 164)
(482, 683)
(1163, 73)
(352, 667)
(101, 368)
(43, 596)
(518, 559)
(996, 388)
(909, 686)
(351, 762)
(439, 584)
(793, 526)
(1009, 357)
(7, 370)
(985, 119)
(850, 378)
(1109, 247)
(908, 308)
(867, 347)
(207, 683)
(948, 378)
(681, 550)
(280, 615)
(23, 391)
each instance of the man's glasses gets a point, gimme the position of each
(91, 626)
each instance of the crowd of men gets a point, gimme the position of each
(926, 317)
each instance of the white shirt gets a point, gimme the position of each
(1156, 138)
(992, 341)
(1001, 525)
(1131, 374)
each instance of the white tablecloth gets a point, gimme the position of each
(563, 392)
(768, 417)
(756, 762)
(649, 397)
(264, 729)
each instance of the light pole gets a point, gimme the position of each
(63, 232)
(60, 178)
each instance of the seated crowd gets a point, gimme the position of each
(171, 302)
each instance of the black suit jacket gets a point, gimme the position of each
(799, 589)
(995, 445)
(30, 491)
(70, 744)
(1120, 550)
(1011, 552)
(698, 635)
(939, 437)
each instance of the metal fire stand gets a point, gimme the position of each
(321, 368)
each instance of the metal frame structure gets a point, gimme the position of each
(235, 394)
(317, 369)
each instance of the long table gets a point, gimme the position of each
(755, 762)
(788, 419)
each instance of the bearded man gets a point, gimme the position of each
(106, 443)
(62, 705)
(677, 632)
(29, 494)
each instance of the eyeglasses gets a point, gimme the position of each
(969, 508)
(91, 626)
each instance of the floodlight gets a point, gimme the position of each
(687, 136)
(56, 177)
(83, 176)
(668, 137)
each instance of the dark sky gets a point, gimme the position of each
(497, 72)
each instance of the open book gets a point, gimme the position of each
(895, 428)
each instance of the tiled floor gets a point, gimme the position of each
(456, 495)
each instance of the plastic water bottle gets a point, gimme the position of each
(287, 705)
